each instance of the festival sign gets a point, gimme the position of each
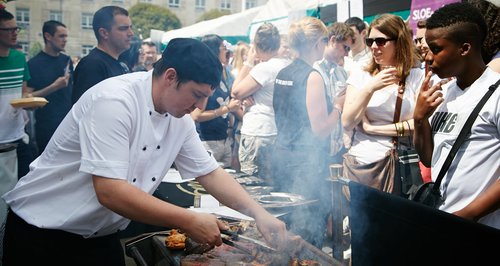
(423, 9)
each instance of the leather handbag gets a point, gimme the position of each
(429, 193)
(379, 175)
(383, 174)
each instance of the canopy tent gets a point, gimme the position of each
(231, 27)
(282, 13)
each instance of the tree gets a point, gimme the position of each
(147, 16)
(35, 49)
(211, 14)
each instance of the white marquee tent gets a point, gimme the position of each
(230, 27)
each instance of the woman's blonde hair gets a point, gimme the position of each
(240, 54)
(303, 34)
(406, 55)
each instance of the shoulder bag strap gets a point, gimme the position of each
(463, 134)
(397, 110)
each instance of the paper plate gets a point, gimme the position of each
(28, 102)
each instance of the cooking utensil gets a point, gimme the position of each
(235, 236)
(236, 245)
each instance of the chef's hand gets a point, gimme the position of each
(205, 229)
(273, 230)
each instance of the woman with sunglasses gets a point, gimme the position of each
(369, 107)
(304, 120)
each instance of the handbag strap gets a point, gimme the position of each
(463, 134)
(397, 110)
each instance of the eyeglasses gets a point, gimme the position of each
(379, 41)
(418, 40)
(11, 30)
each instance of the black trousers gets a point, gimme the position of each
(25, 244)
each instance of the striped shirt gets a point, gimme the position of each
(13, 72)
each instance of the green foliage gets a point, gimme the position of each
(35, 49)
(211, 14)
(147, 16)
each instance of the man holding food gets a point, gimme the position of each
(109, 155)
(13, 76)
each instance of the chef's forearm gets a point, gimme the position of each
(135, 204)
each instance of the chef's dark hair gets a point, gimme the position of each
(192, 60)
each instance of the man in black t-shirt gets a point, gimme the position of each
(113, 30)
(51, 73)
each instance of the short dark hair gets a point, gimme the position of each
(105, 18)
(50, 27)
(463, 23)
(356, 22)
(213, 41)
(5, 15)
(192, 60)
(341, 31)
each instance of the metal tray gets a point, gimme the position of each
(282, 200)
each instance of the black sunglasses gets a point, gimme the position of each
(418, 40)
(379, 41)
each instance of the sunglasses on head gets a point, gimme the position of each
(379, 41)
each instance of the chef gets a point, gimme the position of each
(108, 156)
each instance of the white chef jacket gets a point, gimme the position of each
(112, 131)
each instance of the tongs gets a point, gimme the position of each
(235, 236)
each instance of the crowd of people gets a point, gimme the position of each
(283, 108)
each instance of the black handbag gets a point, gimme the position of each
(408, 170)
(429, 193)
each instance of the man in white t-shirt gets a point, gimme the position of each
(109, 155)
(360, 54)
(471, 186)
